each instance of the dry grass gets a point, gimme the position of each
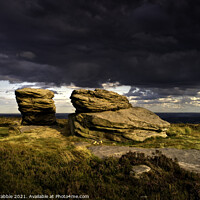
(44, 139)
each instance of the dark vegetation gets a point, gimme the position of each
(32, 163)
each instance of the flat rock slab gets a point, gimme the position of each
(30, 128)
(188, 159)
(134, 123)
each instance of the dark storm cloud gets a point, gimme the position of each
(152, 43)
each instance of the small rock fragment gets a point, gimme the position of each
(138, 170)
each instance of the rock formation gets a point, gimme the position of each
(98, 100)
(36, 106)
(117, 121)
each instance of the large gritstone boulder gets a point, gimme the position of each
(36, 106)
(133, 123)
(98, 100)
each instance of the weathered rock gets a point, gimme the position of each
(38, 118)
(34, 93)
(139, 170)
(98, 100)
(133, 123)
(36, 106)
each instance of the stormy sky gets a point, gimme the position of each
(150, 49)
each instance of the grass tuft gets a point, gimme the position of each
(4, 132)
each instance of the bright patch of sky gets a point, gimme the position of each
(116, 87)
(8, 103)
(63, 104)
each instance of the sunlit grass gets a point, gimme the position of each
(7, 121)
(4, 132)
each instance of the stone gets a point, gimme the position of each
(188, 159)
(134, 123)
(36, 106)
(98, 100)
(139, 170)
(34, 93)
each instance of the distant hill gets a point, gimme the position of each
(193, 118)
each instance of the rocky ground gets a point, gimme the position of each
(188, 159)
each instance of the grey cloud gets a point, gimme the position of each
(157, 93)
(27, 54)
(21, 70)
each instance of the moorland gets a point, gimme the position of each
(47, 160)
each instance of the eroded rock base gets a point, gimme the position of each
(136, 124)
